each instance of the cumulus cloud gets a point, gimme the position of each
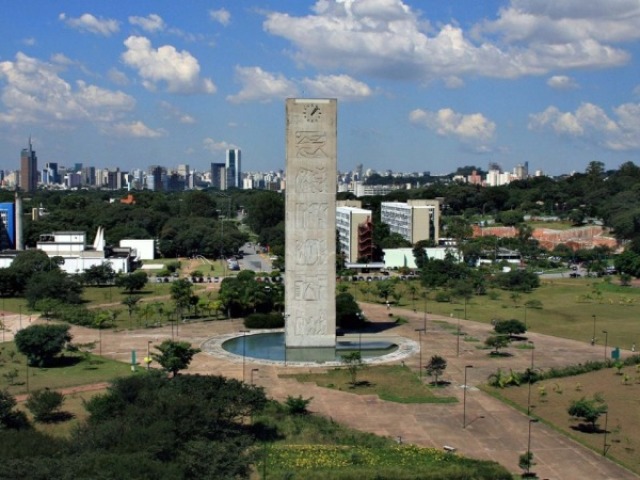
(89, 23)
(175, 113)
(221, 16)
(118, 77)
(258, 85)
(34, 92)
(342, 87)
(133, 130)
(179, 71)
(473, 129)
(592, 124)
(386, 38)
(214, 146)
(562, 82)
(151, 23)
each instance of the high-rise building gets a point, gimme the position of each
(354, 239)
(233, 166)
(28, 169)
(218, 176)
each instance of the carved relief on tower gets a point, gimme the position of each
(311, 251)
(310, 144)
(305, 323)
(311, 180)
(311, 215)
(310, 288)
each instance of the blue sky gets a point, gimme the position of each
(421, 84)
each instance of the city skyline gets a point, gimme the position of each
(421, 86)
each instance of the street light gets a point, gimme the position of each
(606, 338)
(593, 338)
(531, 420)
(464, 397)
(253, 370)
(420, 330)
(148, 359)
(424, 322)
(530, 378)
(458, 338)
(604, 444)
(244, 343)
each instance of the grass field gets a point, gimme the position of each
(73, 370)
(568, 308)
(393, 383)
(551, 399)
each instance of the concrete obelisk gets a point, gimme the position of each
(310, 225)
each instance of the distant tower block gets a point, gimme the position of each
(310, 276)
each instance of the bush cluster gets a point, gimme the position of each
(264, 320)
(560, 372)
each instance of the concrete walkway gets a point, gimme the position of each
(493, 430)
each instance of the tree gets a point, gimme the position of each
(54, 284)
(354, 364)
(525, 461)
(174, 356)
(348, 313)
(436, 367)
(10, 418)
(588, 409)
(45, 404)
(131, 301)
(510, 327)
(497, 342)
(102, 274)
(132, 282)
(41, 343)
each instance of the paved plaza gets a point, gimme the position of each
(494, 431)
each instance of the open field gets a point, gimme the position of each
(393, 383)
(72, 370)
(568, 308)
(550, 400)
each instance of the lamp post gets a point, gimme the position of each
(606, 338)
(525, 315)
(593, 338)
(458, 337)
(286, 319)
(464, 397)
(424, 320)
(531, 420)
(148, 359)
(253, 370)
(420, 330)
(604, 443)
(244, 345)
(530, 378)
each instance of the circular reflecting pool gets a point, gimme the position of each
(270, 346)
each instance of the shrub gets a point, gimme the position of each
(298, 405)
(45, 404)
(443, 297)
(264, 320)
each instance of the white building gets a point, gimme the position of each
(415, 220)
(348, 218)
(140, 249)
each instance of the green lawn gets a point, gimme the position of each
(74, 369)
(568, 306)
(393, 383)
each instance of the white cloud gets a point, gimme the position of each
(592, 124)
(150, 23)
(118, 77)
(221, 16)
(89, 23)
(472, 128)
(386, 38)
(35, 93)
(214, 146)
(562, 82)
(175, 113)
(180, 71)
(342, 87)
(133, 129)
(453, 82)
(258, 85)
(30, 41)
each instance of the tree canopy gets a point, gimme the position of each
(42, 343)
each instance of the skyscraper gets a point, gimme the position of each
(218, 176)
(28, 169)
(234, 169)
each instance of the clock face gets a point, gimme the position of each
(312, 112)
